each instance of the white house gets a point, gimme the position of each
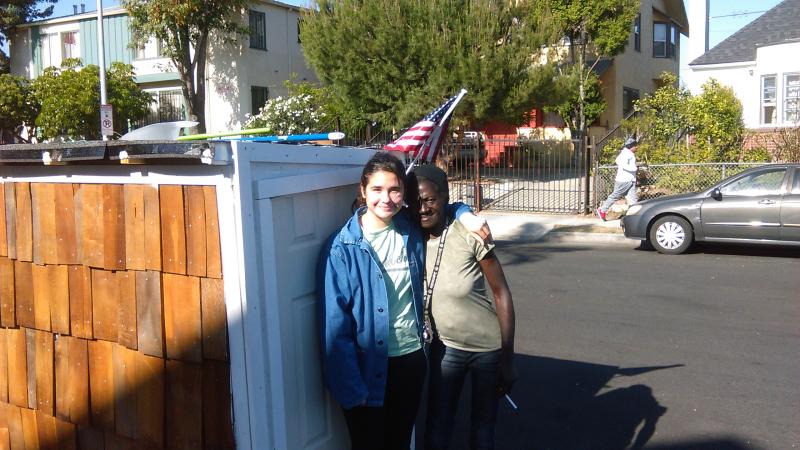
(240, 78)
(760, 63)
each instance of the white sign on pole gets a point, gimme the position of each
(106, 120)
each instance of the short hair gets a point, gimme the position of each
(435, 175)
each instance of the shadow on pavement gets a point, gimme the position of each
(714, 248)
(560, 409)
(512, 252)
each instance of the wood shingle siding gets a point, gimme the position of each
(113, 318)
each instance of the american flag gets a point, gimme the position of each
(425, 138)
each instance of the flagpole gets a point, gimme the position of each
(438, 125)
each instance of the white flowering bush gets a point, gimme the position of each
(296, 114)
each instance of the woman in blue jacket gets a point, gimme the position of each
(369, 288)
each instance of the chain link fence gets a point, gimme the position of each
(658, 180)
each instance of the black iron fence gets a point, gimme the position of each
(167, 106)
(517, 175)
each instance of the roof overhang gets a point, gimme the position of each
(676, 11)
(722, 66)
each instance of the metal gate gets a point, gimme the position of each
(517, 175)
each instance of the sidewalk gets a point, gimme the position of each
(530, 227)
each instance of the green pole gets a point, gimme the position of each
(194, 137)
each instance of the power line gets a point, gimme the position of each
(736, 14)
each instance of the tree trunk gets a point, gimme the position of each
(192, 75)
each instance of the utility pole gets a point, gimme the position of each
(105, 113)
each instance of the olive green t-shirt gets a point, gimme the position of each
(463, 312)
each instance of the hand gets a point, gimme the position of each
(506, 377)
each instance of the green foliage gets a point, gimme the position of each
(69, 99)
(716, 119)
(184, 29)
(596, 29)
(566, 98)
(16, 104)
(607, 23)
(675, 127)
(758, 154)
(392, 61)
(543, 153)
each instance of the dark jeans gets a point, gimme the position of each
(449, 369)
(389, 426)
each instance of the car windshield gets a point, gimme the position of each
(759, 183)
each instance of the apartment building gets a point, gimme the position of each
(240, 77)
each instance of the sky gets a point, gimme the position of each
(726, 17)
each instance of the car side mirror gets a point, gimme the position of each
(716, 194)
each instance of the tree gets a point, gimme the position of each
(595, 29)
(392, 61)
(566, 102)
(716, 120)
(184, 29)
(69, 99)
(16, 104)
(674, 126)
(15, 12)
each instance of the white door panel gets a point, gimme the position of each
(301, 223)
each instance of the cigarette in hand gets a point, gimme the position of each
(511, 402)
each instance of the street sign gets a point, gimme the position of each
(106, 120)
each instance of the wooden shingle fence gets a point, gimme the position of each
(113, 321)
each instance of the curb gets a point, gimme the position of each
(564, 236)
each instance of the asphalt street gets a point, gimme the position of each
(620, 347)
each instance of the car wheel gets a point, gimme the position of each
(671, 235)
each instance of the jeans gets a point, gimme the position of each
(449, 369)
(625, 189)
(389, 427)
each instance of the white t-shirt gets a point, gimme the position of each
(626, 166)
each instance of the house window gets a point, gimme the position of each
(637, 33)
(629, 97)
(258, 97)
(791, 98)
(768, 100)
(258, 30)
(661, 32)
(51, 50)
(298, 31)
(70, 47)
(673, 42)
(150, 50)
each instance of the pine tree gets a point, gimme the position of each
(392, 61)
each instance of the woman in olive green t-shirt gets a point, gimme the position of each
(473, 334)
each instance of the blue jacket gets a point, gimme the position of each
(353, 309)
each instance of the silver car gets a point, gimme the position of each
(760, 205)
